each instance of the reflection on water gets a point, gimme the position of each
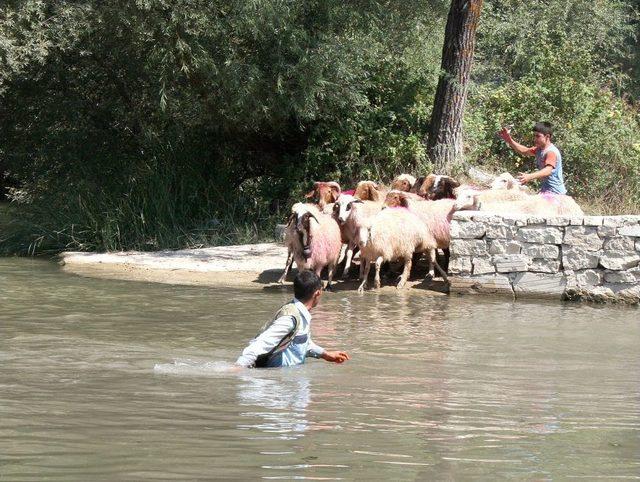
(115, 380)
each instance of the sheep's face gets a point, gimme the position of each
(324, 193)
(438, 187)
(403, 182)
(468, 200)
(343, 207)
(367, 191)
(303, 228)
(505, 181)
(396, 199)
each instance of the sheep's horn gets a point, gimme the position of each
(314, 217)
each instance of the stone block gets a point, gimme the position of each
(540, 285)
(578, 258)
(468, 247)
(481, 284)
(619, 277)
(619, 243)
(460, 265)
(483, 216)
(558, 221)
(619, 260)
(633, 230)
(592, 220)
(539, 265)
(482, 266)
(620, 220)
(512, 219)
(588, 277)
(547, 251)
(500, 246)
(606, 231)
(534, 220)
(583, 236)
(467, 230)
(540, 235)
(464, 215)
(511, 263)
(576, 221)
(500, 231)
(638, 245)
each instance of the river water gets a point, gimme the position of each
(117, 380)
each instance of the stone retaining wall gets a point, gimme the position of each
(594, 258)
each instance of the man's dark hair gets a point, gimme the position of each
(543, 128)
(305, 284)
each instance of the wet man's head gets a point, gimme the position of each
(306, 285)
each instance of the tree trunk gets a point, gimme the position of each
(445, 134)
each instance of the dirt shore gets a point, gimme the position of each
(249, 266)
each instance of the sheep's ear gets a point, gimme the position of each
(356, 200)
(453, 183)
(510, 183)
(310, 194)
(292, 218)
(404, 201)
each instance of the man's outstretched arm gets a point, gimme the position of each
(519, 148)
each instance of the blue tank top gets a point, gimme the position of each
(554, 182)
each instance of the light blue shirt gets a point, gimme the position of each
(300, 347)
(554, 182)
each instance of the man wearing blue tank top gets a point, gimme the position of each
(548, 158)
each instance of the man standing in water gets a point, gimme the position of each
(548, 158)
(286, 340)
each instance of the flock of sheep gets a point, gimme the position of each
(399, 223)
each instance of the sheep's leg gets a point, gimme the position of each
(377, 278)
(442, 272)
(405, 273)
(367, 267)
(287, 266)
(349, 257)
(330, 270)
(430, 262)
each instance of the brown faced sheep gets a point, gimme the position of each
(324, 193)
(404, 182)
(436, 187)
(370, 191)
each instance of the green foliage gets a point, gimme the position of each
(153, 124)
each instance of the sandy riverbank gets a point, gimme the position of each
(249, 266)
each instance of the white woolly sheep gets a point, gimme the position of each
(435, 215)
(313, 241)
(393, 233)
(543, 205)
(352, 213)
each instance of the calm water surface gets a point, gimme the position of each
(115, 380)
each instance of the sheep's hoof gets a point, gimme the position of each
(399, 286)
(281, 281)
(329, 288)
(428, 278)
(361, 290)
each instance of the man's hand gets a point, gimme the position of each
(335, 356)
(505, 134)
(524, 177)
